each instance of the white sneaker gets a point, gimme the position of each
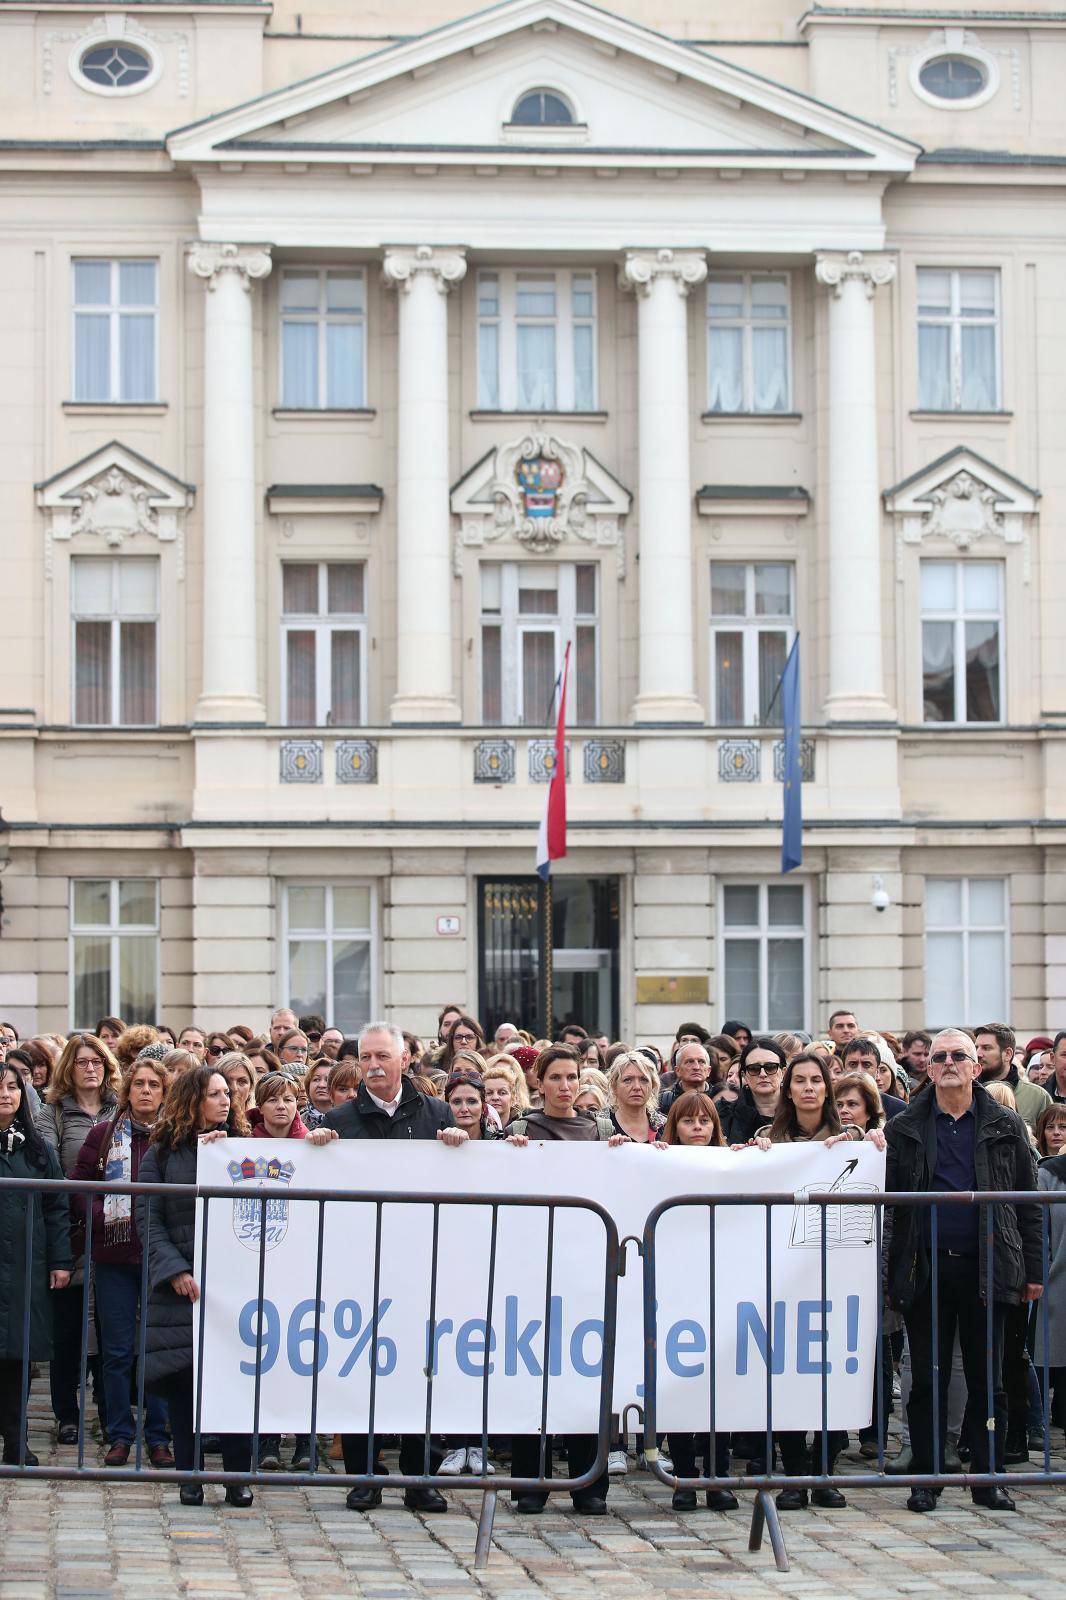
(667, 1465)
(617, 1464)
(476, 1463)
(453, 1463)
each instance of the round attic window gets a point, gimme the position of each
(115, 66)
(542, 108)
(953, 77)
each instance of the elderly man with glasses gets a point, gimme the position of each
(955, 1138)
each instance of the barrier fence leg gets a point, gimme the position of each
(484, 1529)
(764, 1515)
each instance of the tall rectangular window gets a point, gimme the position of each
(115, 606)
(114, 950)
(323, 338)
(748, 342)
(329, 936)
(958, 340)
(323, 643)
(962, 663)
(116, 308)
(967, 940)
(536, 335)
(529, 613)
(764, 955)
(752, 626)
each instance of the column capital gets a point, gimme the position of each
(835, 268)
(250, 261)
(405, 262)
(683, 268)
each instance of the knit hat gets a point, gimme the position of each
(155, 1051)
(524, 1054)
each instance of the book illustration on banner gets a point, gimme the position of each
(249, 1212)
(846, 1227)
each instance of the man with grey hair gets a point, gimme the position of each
(389, 1106)
(954, 1138)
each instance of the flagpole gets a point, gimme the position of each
(544, 895)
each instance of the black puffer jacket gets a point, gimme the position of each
(1003, 1159)
(416, 1117)
(169, 1227)
(741, 1118)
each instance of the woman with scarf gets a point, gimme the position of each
(112, 1153)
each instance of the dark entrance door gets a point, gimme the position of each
(584, 967)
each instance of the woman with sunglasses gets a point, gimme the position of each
(217, 1046)
(762, 1066)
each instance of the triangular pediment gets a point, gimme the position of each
(446, 98)
(114, 493)
(961, 497)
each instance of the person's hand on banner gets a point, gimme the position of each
(519, 1140)
(322, 1135)
(753, 1144)
(618, 1138)
(209, 1138)
(452, 1137)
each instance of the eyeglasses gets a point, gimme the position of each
(958, 1056)
(761, 1071)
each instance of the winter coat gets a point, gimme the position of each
(742, 1118)
(298, 1129)
(65, 1127)
(416, 1117)
(170, 1228)
(89, 1167)
(1052, 1176)
(1003, 1159)
(51, 1253)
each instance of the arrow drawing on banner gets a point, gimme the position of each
(849, 1168)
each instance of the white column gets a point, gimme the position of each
(230, 689)
(423, 275)
(662, 280)
(856, 668)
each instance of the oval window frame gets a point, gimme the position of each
(132, 41)
(987, 64)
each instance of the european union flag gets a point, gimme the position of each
(792, 767)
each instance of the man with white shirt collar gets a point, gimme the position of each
(389, 1106)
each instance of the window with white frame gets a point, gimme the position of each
(115, 611)
(323, 643)
(764, 955)
(536, 340)
(958, 340)
(748, 342)
(967, 946)
(323, 338)
(529, 613)
(329, 952)
(962, 658)
(114, 950)
(752, 626)
(116, 310)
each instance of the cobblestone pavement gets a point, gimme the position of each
(85, 1541)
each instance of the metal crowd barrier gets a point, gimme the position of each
(489, 1485)
(765, 1513)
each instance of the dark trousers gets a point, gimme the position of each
(880, 1424)
(11, 1420)
(64, 1370)
(686, 1449)
(177, 1392)
(412, 1453)
(118, 1299)
(798, 1458)
(580, 1454)
(959, 1309)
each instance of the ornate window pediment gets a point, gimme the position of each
(963, 499)
(540, 492)
(114, 495)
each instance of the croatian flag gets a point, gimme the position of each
(551, 842)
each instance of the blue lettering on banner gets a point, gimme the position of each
(685, 1339)
(808, 1362)
(259, 1329)
(751, 1325)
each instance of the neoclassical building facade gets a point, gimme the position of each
(360, 360)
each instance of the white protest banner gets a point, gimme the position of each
(695, 1335)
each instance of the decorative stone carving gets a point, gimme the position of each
(961, 498)
(541, 755)
(114, 495)
(604, 761)
(250, 261)
(685, 269)
(494, 761)
(836, 268)
(300, 761)
(117, 26)
(405, 262)
(738, 760)
(540, 492)
(356, 761)
(806, 761)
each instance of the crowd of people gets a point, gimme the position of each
(959, 1110)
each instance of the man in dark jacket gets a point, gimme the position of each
(956, 1138)
(388, 1106)
(692, 1070)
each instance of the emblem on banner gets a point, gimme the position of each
(250, 1215)
(846, 1227)
(539, 480)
